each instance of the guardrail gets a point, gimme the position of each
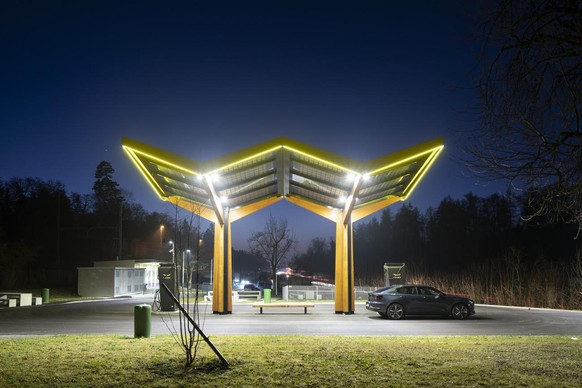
(321, 292)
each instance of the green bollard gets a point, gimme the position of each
(45, 295)
(142, 321)
(267, 295)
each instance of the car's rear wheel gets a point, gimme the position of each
(460, 311)
(395, 311)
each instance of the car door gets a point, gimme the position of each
(410, 299)
(432, 302)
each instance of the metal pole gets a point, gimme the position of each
(204, 337)
(120, 230)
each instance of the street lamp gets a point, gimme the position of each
(173, 253)
(161, 234)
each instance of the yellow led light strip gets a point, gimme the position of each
(145, 172)
(162, 161)
(425, 167)
(139, 159)
(242, 160)
(322, 160)
(391, 165)
(133, 154)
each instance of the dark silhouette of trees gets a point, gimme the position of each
(32, 211)
(531, 105)
(18, 261)
(46, 233)
(273, 244)
(108, 214)
(395, 238)
(248, 266)
(458, 234)
(408, 235)
(372, 243)
(107, 194)
(32, 215)
(317, 260)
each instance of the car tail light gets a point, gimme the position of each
(377, 297)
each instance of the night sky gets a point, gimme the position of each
(201, 79)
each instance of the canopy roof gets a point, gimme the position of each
(257, 176)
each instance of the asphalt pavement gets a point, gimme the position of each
(116, 316)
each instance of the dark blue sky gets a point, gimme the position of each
(361, 79)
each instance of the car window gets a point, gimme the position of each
(407, 290)
(423, 291)
(428, 291)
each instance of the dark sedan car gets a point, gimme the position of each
(396, 302)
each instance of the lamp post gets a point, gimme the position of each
(161, 234)
(173, 253)
(184, 260)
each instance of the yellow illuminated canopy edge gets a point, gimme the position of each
(283, 168)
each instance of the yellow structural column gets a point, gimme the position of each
(222, 268)
(344, 269)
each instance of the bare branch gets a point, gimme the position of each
(531, 99)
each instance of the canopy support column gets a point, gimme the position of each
(344, 269)
(222, 271)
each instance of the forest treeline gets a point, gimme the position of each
(460, 233)
(46, 233)
(455, 237)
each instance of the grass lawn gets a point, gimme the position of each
(292, 361)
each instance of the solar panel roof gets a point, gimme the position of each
(282, 168)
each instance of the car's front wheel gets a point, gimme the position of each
(395, 311)
(460, 311)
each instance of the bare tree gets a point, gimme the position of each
(273, 243)
(530, 104)
(188, 248)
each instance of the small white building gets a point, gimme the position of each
(117, 278)
(110, 281)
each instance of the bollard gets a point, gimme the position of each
(45, 295)
(142, 321)
(267, 295)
